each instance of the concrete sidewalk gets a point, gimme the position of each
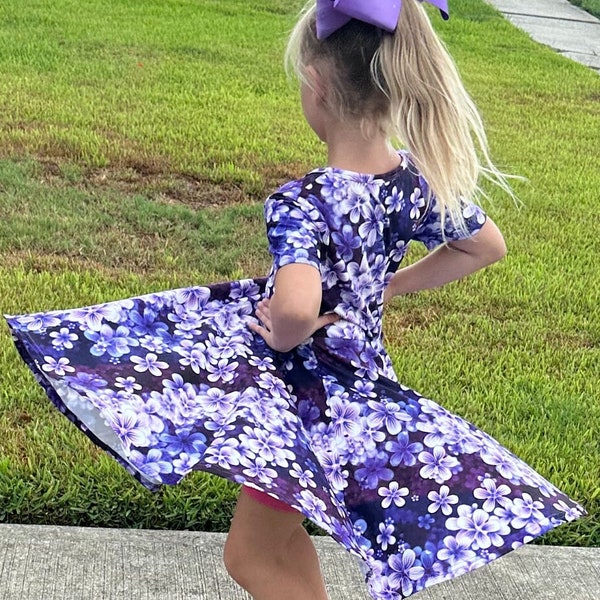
(68, 563)
(571, 31)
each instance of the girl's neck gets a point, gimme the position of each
(349, 149)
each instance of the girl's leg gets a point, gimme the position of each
(270, 555)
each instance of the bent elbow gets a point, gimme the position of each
(498, 251)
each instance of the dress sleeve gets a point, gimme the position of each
(429, 229)
(292, 231)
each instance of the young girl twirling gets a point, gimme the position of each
(283, 384)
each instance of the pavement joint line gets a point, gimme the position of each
(549, 18)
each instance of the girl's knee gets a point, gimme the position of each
(240, 560)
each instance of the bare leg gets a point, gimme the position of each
(270, 555)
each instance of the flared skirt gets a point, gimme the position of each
(173, 382)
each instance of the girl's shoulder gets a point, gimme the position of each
(323, 189)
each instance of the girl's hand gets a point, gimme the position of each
(263, 314)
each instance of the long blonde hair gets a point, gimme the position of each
(407, 85)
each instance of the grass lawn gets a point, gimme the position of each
(591, 6)
(137, 141)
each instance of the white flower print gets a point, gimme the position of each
(476, 528)
(395, 200)
(129, 384)
(63, 338)
(442, 500)
(149, 363)
(304, 476)
(59, 367)
(224, 371)
(417, 203)
(438, 464)
(492, 494)
(393, 494)
(387, 414)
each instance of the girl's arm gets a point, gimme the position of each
(450, 261)
(291, 315)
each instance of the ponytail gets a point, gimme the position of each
(432, 113)
(414, 93)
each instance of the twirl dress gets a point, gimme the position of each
(175, 381)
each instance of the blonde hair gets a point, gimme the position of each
(407, 86)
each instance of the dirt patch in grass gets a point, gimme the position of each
(168, 188)
(152, 181)
(158, 182)
(570, 340)
(52, 262)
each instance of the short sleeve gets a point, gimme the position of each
(429, 229)
(293, 231)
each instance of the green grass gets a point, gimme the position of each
(137, 140)
(591, 6)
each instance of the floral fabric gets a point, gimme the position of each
(175, 381)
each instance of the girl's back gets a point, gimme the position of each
(355, 229)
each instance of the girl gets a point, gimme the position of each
(302, 406)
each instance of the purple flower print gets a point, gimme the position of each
(192, 298)
(39, 322)
(527, 511)
(388, 414)
(146, 323)
(404, 572)
(403, 450)
(224, 453)
(185, 441)
(455, 551)
(129, 427)
(151, 464)
(92, 317)
(184, 464)
(305, 477)
(115, 342)
(415, 491)
(347, 242)
(375, 470)
(386, 535)
(345, 417)
(258, 469)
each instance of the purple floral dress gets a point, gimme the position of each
(175, 381)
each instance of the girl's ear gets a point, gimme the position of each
(316, 82)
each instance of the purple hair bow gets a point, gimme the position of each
(334, 14)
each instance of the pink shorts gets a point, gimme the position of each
(267, 500)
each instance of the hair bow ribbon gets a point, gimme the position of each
(334, 14)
